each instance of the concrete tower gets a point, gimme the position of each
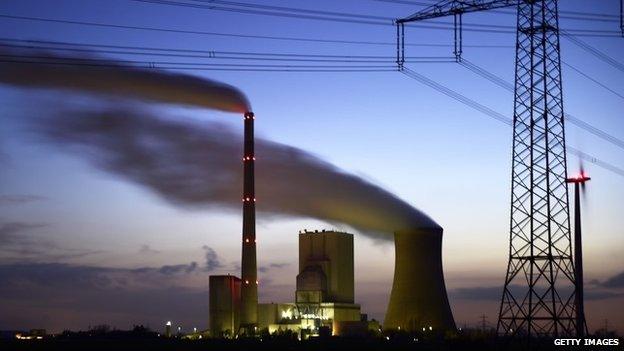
(418, 299)
(249, 269)
(224, 305)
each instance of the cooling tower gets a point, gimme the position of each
(418, 299)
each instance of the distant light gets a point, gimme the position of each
(430, 328)
(423, 328)
(387, 338)
(168, 323)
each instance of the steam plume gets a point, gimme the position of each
(200, 166)
(47, 70)
(197, 166)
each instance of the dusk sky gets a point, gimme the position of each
(81, 246)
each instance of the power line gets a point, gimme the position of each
(233, 55)
(248, 36)
(579, 71)
(502, 118)
(202, 67)
(577, 15)
(570, 118)
(509, 86)
(588, 16)
(298, 13)
(235, 35)
(593, 51)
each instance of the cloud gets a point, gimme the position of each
(19, 199)
(146, 249)
(212, 260)
(178, 268)
(18, 242)
(478, 293)
(265, 269)
(616, 281)
(13, 232)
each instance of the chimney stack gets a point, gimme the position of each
(249, 271)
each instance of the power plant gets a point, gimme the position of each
(324, 299)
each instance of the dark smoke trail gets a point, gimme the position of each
(194, 165)
(36, 69)
(200, 165)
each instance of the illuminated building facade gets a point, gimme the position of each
(324, 299)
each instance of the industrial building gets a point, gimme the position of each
(324, 298)
(224, 305)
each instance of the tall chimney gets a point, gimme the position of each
(249, 271)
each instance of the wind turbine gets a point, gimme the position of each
(579, 182)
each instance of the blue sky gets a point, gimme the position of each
(443, 157)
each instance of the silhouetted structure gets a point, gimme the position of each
(249, 269)
(535, 299)
(579, 182)
(418, 299)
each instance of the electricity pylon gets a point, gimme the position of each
(539, 293)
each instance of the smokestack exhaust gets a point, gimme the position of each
(249, 269)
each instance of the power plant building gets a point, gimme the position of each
(324, 298)
(224, 309)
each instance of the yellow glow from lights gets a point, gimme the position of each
(288, 314)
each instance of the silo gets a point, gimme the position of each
(418, 299)
(224, 305)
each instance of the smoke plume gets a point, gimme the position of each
(201, 166)
(192, 165)
(47, 70)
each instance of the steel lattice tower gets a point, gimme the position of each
(538, 297)
(539, 292)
